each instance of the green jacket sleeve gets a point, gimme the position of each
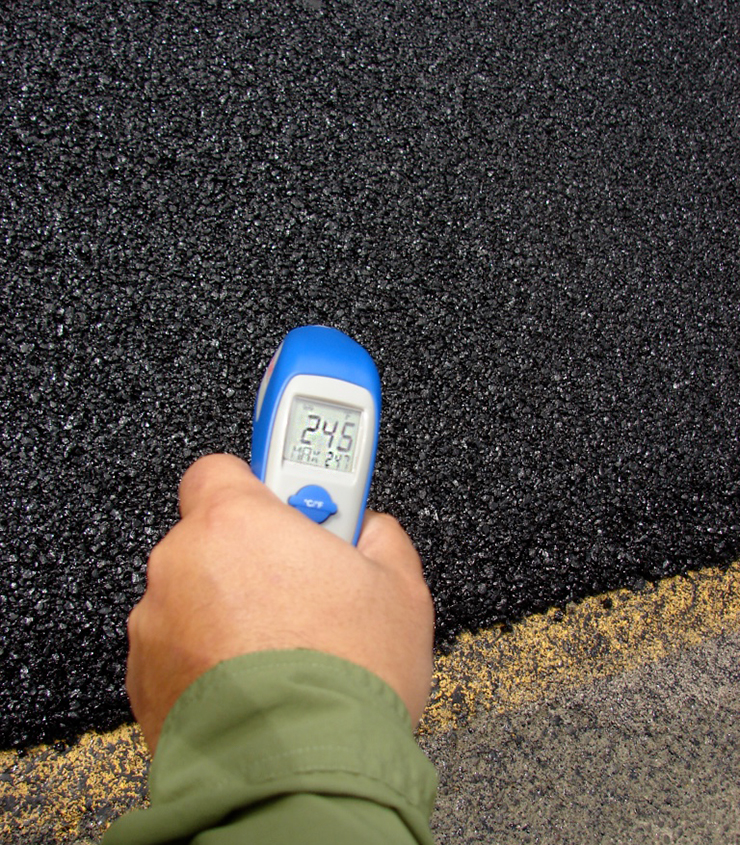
(285, 747)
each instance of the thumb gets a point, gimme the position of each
(384, 541)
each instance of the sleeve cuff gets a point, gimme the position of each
(278, 723)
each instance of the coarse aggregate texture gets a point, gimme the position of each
(527, 212)
(501, 701)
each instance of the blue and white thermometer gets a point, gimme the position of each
(316, 422)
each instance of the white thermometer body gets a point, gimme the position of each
(316, 422)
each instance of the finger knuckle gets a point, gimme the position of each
(133, 623)
(156, 564)
(421, 595)
(199, 474)
(223, 515)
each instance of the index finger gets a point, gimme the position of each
(212, 477)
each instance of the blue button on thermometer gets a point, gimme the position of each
(316, 422)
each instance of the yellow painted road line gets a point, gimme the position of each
(70, 796)
(55, 796)
(600, 637)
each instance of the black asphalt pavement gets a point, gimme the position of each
(527, 212)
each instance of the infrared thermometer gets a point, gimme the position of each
(316, 422)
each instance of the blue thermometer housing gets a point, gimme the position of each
(316, 422)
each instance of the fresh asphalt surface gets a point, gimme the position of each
(527, 212)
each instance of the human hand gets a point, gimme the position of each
(242, 572)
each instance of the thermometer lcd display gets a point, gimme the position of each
(322, 435)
